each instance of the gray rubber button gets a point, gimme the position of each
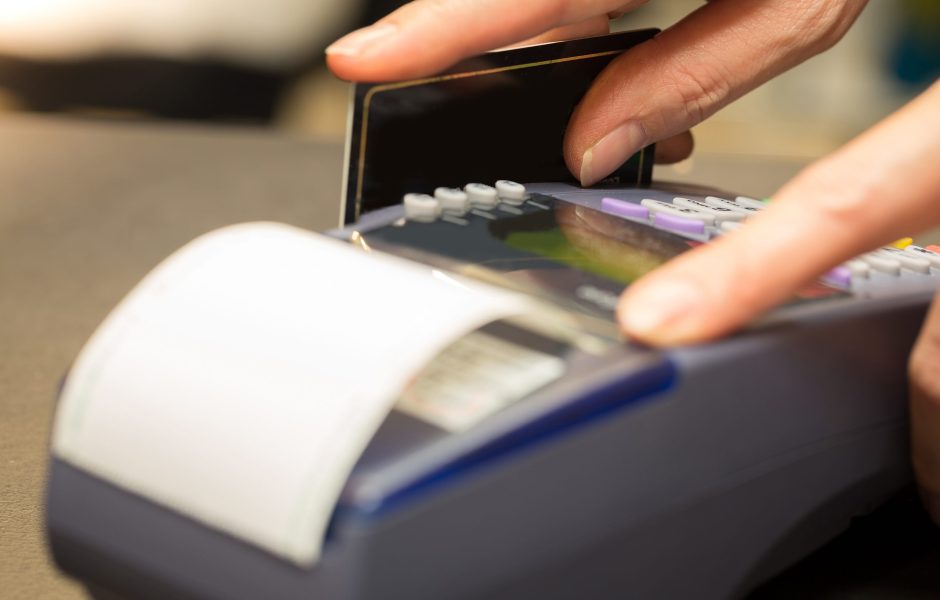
(858, 267)
(665, 208)
(752, 202)
(453, 200)
(481, 195)
(732, 205)
(421, 207)
(933, 257)
(720, 213)
(882, 263)
(510, 191)
(908, 260)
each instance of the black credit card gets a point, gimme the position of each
(501, 115)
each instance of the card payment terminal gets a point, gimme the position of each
(548, 458)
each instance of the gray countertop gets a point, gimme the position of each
(86, 209)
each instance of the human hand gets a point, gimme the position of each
(653, 93)
(878, 188)
(882, 186)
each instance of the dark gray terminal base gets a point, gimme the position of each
(762, 450)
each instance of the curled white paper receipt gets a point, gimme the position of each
(240, 381)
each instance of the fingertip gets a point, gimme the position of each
(374, 69)
(578, 140)
(661, 312)
(341, 67)
(353, 69)
(573, 158)
(686, 301)
(385, 51)
(364, 40)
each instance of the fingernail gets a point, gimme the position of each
(361, 40)
(610, 152)
(660, 312)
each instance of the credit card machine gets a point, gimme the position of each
(537, 457)
(530, 461)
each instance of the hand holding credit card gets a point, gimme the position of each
(667, 85)
(500, 113)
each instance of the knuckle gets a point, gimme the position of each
(701, 87)
(839, 200)
(819, 24)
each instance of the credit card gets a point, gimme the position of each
(500, 115)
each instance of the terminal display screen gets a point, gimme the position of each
(591, 241)
(568, 252)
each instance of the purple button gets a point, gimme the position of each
(678, 223)
(622, 208)
(840, 276)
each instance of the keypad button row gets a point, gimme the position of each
(714, 216)
(899, 259)
(457, 202)
(690, 216)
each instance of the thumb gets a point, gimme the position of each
(669, 84)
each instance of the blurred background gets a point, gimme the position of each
(261, 62)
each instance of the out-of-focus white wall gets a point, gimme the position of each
(260, 33)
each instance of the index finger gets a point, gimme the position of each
(881, 186)
(426, 36)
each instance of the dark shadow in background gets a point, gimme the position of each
(893, 553)
(144, 86)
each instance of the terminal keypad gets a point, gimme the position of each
(901, 265)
